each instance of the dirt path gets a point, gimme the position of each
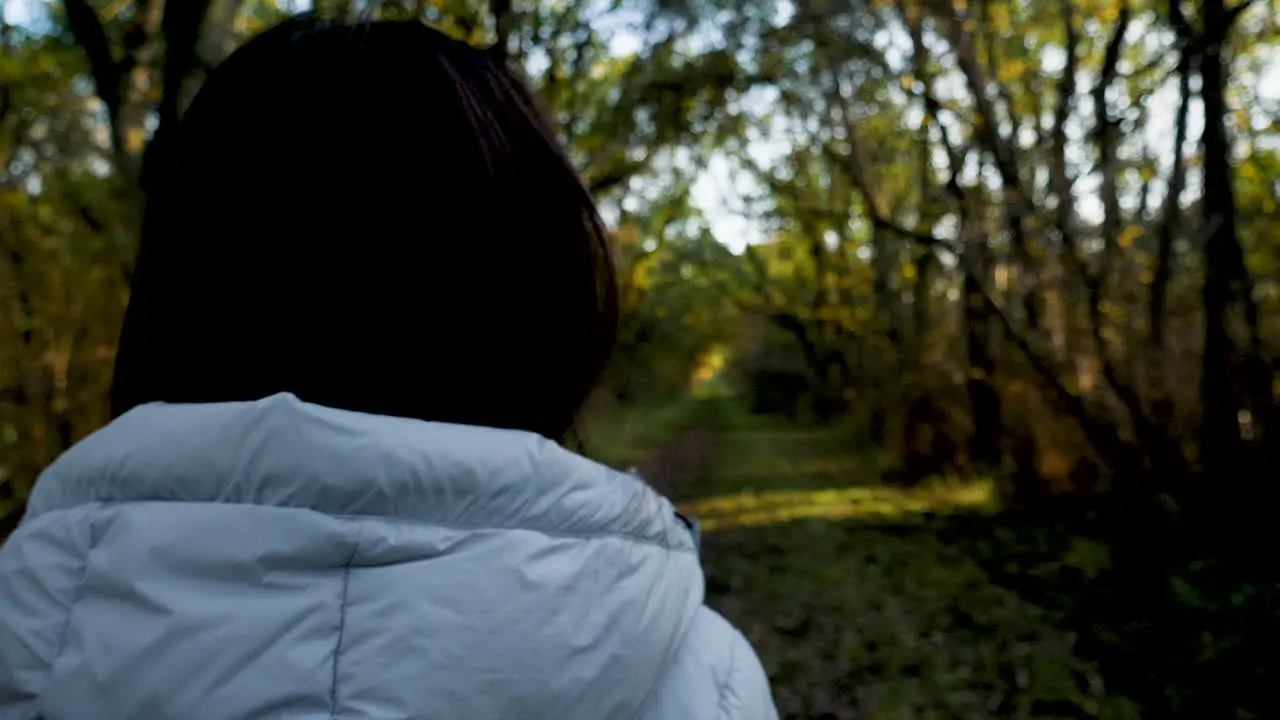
(675, 468)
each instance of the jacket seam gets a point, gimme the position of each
(676, 648)
(77, 597)
(722, 705)
(547, 533)
(410, 522)
(342, 619)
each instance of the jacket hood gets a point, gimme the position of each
(282, 559)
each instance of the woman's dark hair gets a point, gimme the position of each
(374, 217)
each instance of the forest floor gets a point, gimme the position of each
(855, 595)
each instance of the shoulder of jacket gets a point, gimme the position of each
(714, 676)
(744, 692)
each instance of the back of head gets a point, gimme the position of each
(373, 217)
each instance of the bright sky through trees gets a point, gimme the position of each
(721, 186)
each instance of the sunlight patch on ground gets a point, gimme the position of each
(755, 509)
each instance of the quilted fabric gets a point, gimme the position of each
(278, 559)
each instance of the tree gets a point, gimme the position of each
(89, 94)
(1037, 189)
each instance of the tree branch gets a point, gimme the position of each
(1016, 201)
(1236, 10)
(502, 20)
(1062, 180)
(1102, 436)
(1172, 213)
(89, 34)
(986, 127)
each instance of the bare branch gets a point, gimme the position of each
(928, 240)
(1104, 133)
(1062, 180)
(932, 107)
(1121, 456)
(1016, 201)
(986, 125)
(1171, 215)
(1102, 436)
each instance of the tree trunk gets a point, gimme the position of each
(1226, 281)
(988, 425)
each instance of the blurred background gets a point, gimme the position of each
(955, 321)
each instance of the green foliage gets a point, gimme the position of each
(862, 621)
(882, 621)
(1167, 597)
(1118, 609)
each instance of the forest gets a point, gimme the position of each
(956, 321)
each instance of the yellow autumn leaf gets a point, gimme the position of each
(627, 234)
(134, 139)
(999, 19)
(1129, 235)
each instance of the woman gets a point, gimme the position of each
(371, 295)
